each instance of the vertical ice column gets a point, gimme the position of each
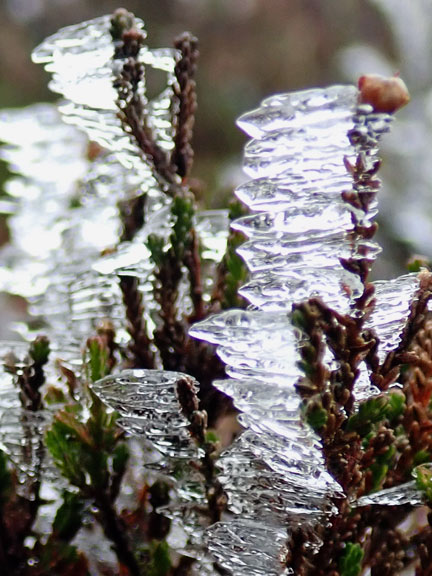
(302, 242)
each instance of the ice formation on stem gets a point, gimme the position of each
(75, 277)
(313, 163)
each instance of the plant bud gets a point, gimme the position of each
(383, 94)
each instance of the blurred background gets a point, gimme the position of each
(251, 49)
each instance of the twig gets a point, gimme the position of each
(189, 403)
(141, 345)
(184, 90)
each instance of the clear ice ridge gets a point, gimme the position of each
(248, 548)
(407, 493)
(146, 401)
(80, 58)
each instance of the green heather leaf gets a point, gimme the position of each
(160, 561)
(183, 212)
(97, 359)
(211, 436)
(423, 478)
(316, 416)
(351, 561)
(40, 349)
(5, 477)
(68, 519)
(155, 244)
(380, 468)
(120, 458)
(67, 454)
(421, 457)
(395, 406)
(369, 413)
(416, 263)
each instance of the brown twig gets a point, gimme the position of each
(189, 403)
(185, 91)
(140, 346)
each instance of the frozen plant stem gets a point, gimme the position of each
(128, 40)
(30, 377)
(189, 403)
(184, 90)
(329, 441)
(171, 172)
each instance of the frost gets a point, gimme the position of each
(407, 493)
(397, 496)
(303, 226)
(301, 232)
(21, 430)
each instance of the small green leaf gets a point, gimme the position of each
(120, 458)
(380, 468)
(423, 478)
(395, 406)
(183, 212)
(97, 359)
(417, 262)
(160, 560)
(316, 415)
(211, 436)
(351, 561)
(369, 413)
(5, 477)
(67, 454)
(68, 519)
(39, 350)
(421, 457)
(156, 246)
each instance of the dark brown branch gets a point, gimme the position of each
(140, 346)
(189, 403)
(115, 530)
(185, 91)
(132, 217)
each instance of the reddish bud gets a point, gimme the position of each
(384, 94)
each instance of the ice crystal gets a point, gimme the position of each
(248, 548)
(406, 493)
(67, 263)
(22, 430)
(300, 232)
(147, 403)
(81, 60)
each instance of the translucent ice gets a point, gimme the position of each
(81, 60)
(248, 548)
(147, 403)
(393, 300)
(300, 228)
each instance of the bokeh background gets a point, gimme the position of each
(251, 49)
